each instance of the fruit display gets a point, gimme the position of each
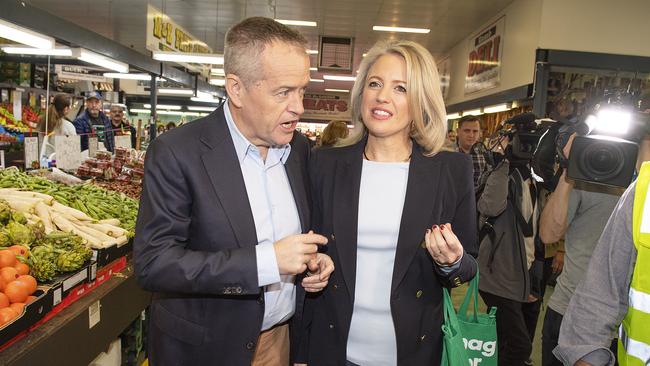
(16, 284)
(123, 173)
(95, 203)
(58, 252)
(9, 123)
(30, 117)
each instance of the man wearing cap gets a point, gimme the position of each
(93, 121)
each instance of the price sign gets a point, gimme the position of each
(68, 152)
(31, 152)
(123, 141)
(92, 146)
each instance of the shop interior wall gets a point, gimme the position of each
(521, 36)
(618, 27)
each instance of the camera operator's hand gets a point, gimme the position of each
(567, 148)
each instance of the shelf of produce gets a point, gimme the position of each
(68, 339)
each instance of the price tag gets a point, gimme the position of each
(16, 97)
(31, 152)
(123, 141)
(92, 146)
(68, 152)
(94, 314)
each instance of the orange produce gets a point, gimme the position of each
(7, 258)
(16, 291)
(8, 274)
(18, 307)
(4, 300)
(7, 315)
(29, 282)
(30, 299)
(21, 268)
(20, 250)
(2, 283)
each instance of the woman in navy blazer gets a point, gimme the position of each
(400, 217)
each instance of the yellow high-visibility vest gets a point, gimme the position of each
(634, 333)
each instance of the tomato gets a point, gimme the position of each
(29, 282)
(4, 300)
(7, 258)
(21, 268)
(16, 291)
(8, 274)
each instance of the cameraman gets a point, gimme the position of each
(578, 212)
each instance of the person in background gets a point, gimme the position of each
(469, 132)
(120, 125)
(92, 121)
(400, 215)
(333, 132)
(224, 202)
(451, 136)
(57, 124)
(170, 126)
(160, 130)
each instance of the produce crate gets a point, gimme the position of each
(64, 284)
(32, 313)
(105, 256)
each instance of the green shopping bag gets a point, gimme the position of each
(453, 350)
(479, 331)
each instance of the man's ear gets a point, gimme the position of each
(234, 89)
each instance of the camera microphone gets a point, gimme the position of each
(522, 119)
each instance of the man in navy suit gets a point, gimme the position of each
(225, 200)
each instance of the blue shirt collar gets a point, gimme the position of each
(244, 148)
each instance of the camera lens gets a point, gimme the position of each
(602, 161)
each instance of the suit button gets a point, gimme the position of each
(331, 326)
(260, 300)
(457, 282)
(335, 286)
(250, 345)
(332, 236)
(418, 294)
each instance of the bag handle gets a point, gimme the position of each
(472, 292)
(450, 326)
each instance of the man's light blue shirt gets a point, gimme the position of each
(275, 215)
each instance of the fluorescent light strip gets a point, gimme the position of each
(497, 108)
(64, 52)
(473, 112)
(25, 36)
(116, 75)
(175, 91)
(400, 29)
(199, 108)
(338, 90)
(218, 82)
(177, 113)
(99, 60)
(139, 110)
(191, 58)
(218, 72)
(164, 106)
(205, 100)
(317, 80)
(312, 52)
(339, 78)
(303, 23)
(453, 116)
(313, 69)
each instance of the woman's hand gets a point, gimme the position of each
(443, 245)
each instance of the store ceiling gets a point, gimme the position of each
(450, 21)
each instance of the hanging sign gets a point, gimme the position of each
(165, 35)
(485, 55)
(444, 71)
(68, 152)
(123, 141)
(326, 107)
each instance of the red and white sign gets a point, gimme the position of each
(326, 107)
(485, 54)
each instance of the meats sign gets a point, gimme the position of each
(326, 107)
(485, 55)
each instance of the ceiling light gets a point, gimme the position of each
(497, 108)
(164, 106)
(317, 80)
(218, 82)
(175, 91)
(199, 108)
(364, 55)
(453, 116)
(473, 112)
(38, 51)
(117, 75)
(139, 110)
(99, 60)
(205, 100)
(338, 90)
(302, 23)
(177, 113)
(400, 29)
(24, 36)
(339, 77)
(192, 58)
(217, 72)
(312, 52)
(313, 69)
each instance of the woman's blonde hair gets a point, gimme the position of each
(333, 132)
(429, 125)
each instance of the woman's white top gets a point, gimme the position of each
(371, 340)
(65, 128)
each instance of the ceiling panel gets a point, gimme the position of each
(125, 20)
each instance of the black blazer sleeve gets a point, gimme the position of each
(163, 261)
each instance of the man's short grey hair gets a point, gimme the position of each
(246, 41)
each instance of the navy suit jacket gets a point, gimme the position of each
(195, 245)
(439, 190)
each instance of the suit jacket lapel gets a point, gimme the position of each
(223, 169)
(294, 168)
(346, 213)
(421, 191)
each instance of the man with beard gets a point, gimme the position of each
(93, 121)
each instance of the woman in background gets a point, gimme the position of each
(333, 132)
(57, 125)
(400, 217)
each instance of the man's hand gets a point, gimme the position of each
(558, 262)
(319, 271)
(582, 363)
(443, 245)
(567, 148)
(295, 251)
